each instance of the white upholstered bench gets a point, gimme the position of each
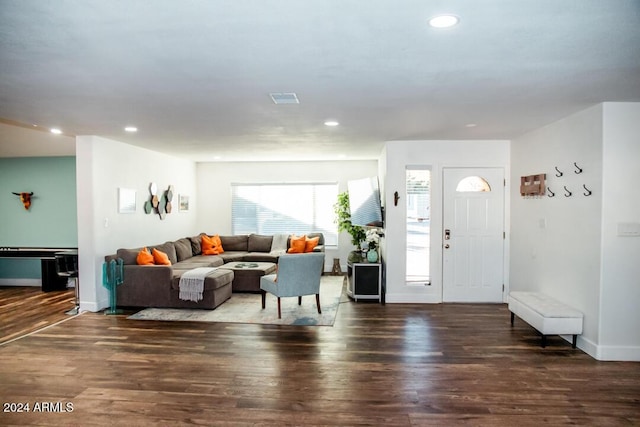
(547, 315)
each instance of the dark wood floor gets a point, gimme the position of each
(24, 309)
(392, 365)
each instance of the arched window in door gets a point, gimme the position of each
(473, 184)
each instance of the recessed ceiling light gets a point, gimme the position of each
(131, 129)
(56, 131)
(470, 125)
(331, 123)
(444, 21)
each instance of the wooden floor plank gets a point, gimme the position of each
(392, 365)
(25, 309)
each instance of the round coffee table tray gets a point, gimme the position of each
(246, 265)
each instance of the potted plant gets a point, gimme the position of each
(373, 242)
(343, 220)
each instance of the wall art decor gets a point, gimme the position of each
(25, 198)
(159, 204)
(183, 203)
(168, 195)
(126, 201)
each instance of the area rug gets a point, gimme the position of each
(247, 308)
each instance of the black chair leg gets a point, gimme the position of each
(318, 303)
(300, 300)
(279, 313)
(264, 297)
(76, 289)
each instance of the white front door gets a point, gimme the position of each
(473, 234)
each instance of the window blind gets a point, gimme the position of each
(292, 208)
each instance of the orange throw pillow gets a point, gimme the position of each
(144, 257)
(207, 246)
(311, 243)
(160, 258)
(211, 245)
(217, 244)
(297, 244)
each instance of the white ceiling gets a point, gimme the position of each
(195, 76)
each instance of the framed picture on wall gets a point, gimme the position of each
(183, 203)
(126, 200)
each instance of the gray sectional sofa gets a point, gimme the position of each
(158, 285)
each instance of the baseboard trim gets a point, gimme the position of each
(21, 282)
(614, 353)
(93, 306)
(412, 298)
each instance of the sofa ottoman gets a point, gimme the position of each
(217, 289)
(246, 275)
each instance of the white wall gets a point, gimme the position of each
(555, 241)
(568, 247)
(214, 190)
(620, 293)
(438, 155)
(103, 166)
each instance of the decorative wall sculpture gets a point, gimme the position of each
(25, 198)
(161, 205)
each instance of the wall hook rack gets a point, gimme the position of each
(559, 174)
(589, 192)
(396, 197)
(567, 192)
(578, 168)
(550, 193)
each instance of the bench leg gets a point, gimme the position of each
(543, 343)
(574, 342)
(513, 316)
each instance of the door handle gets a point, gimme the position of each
(446, 246)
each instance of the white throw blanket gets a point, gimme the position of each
(192, 283)
(279, 244)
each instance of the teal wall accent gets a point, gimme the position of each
(19, 268)
(52, 219)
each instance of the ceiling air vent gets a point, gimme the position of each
(284, 98)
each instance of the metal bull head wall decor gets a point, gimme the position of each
(25, 198)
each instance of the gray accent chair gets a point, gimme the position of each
(297, 275)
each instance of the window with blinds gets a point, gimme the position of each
(285, 208)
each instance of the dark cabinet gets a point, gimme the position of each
(364, 280)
